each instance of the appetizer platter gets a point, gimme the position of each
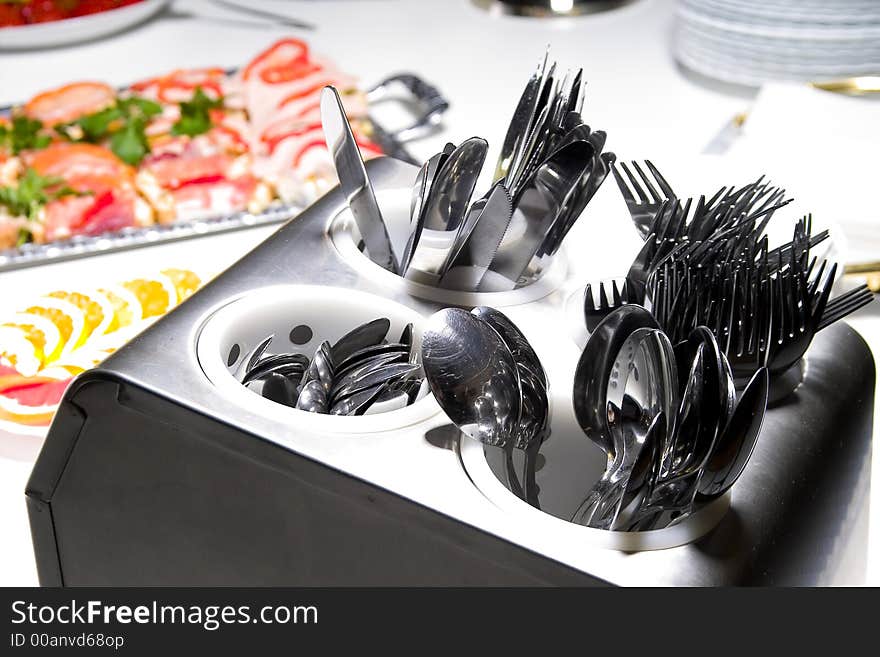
(85, 167)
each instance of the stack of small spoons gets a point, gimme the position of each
(351, 377)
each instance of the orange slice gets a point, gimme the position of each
(156, 295)
(126, 307)
(68, 319)
(97, 311)
(185, 282)
(26, 340)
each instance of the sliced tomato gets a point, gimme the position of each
(283, 55)
(70, 102)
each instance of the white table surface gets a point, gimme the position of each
(648, 106)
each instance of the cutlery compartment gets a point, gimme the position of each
(301, 317)
(394, 204)
(568, 465)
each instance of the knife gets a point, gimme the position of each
(354, 181)
(471, 257)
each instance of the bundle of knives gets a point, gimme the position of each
(551, 164)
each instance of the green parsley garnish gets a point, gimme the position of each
(195, 117)
(32, 192)
(124, 123)
(23, 134)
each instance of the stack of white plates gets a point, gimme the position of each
(756, 41)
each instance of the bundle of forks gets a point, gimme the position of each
(708, 263)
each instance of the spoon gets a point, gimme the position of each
(250, 359)
(534, 394)
(637, 392)
(364, 335)
(312, 397)
(473, 377)
(735, 445)
(454, 185)
(280, 389)
(594, 371)
(279, 363)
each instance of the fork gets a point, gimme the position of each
(644, 208)
(595, 312)
(845, 304)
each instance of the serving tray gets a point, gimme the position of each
(160, 469)
(430, 102)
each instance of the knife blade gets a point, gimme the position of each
(471, 258)
(354, 181)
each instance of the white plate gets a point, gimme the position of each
(81, 28)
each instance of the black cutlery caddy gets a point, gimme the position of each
(154, 473)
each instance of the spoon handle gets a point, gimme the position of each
(510, 472)
(594, 510)
(530, 486)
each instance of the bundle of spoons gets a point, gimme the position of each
(667, 417)
(350, 377)
(489, 381)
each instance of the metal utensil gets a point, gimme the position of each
(637, 392)
(354, 181)
(473, 251)
(250, 359)
(539, 205)
(360, 337)
(644, 205)
(597, 310)
(594, 369)
(534, 423)
(472, 375)
(519, 123)
(454, 184)
(734, 447)
(312, 397)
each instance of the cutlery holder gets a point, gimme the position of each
(395, 210)
(159, 471)
(300, 317)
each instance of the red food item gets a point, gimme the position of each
(70, 102)
(285, 60)
(10, 16)
(180, 85)
(214, 194)
(85, 167)
(45, 11)
(36, 391)
(110, 200)
(103, 212)
(311, 133)
(175, 172)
